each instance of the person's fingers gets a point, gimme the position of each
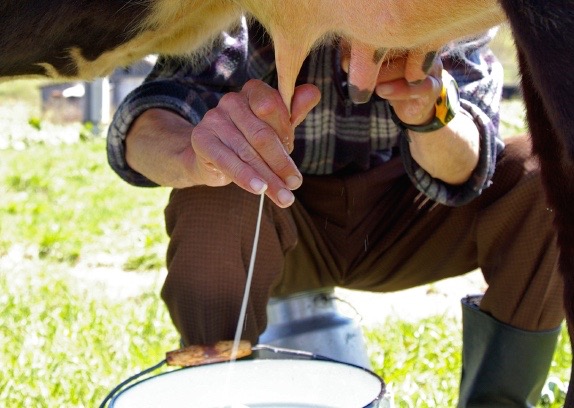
(413, 104)
(211, 164)
(412, 101)
(219, 164)
(262, 148)
(234, 144)
(400, 89)
(392, 69)
(306, 97)
(243, 140)
(266, 103)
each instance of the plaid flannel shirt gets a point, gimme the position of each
(336, 135)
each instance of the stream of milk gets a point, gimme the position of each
(243, 310)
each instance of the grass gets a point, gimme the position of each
(64, 216)
(64, 347)
(22, 90)
(69, 199)
(503, 48)
(421, 362)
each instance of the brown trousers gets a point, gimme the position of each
(368, 231)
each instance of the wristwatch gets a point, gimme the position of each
(446, 106)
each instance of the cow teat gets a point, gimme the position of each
(295, 26)
(371, 26)
(364, 65)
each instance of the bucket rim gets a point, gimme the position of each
(295, 357)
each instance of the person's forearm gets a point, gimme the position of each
(450, 153)
(158, 146)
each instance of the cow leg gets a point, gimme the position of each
(544, 33)
(557, 172)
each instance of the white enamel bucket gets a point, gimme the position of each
(258, 383)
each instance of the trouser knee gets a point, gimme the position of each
(212, 232)
(516, 244)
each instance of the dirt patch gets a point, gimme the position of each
(439, 298)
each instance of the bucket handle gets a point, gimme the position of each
(292, 352)
(327, 297)
(300, 353)
(134, 377)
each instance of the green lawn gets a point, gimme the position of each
(65, 216)
(503, 48)
(66, 347)
(59, 200)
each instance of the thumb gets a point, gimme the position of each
(305, 98)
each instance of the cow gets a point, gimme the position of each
(65, 39)
(86, 38)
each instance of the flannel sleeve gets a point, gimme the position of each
(480, 79)
(186, 86)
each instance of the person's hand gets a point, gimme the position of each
(413, 103)
(450, 153)
(247, 139)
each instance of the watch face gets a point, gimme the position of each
(442, 106)
(452, 94)
(448, 102)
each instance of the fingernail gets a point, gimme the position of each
(417, 82)
(285, 197)
(257, 186)
(293, 182)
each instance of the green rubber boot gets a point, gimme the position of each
(501, 366)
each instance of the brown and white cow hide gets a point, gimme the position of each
(89, 38)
